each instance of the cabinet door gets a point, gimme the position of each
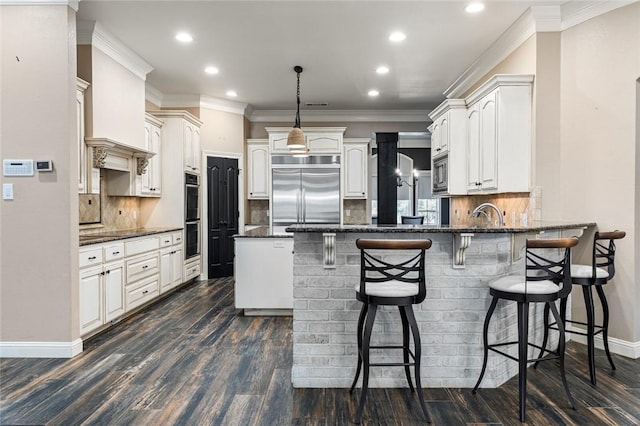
(114, 290)
(166, 265)
(435, 139)
(258, 165)
(489, 141)
(155, 164)
(355, 162)
(444, 134)
(188, 147)
(195, 149)
(176, 267)
(91, 311)
(473, 148)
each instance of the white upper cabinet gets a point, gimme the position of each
(355, 168)
(191, 147)
(151, 180)
(320, 140)
(499, 135)
(258, 167)
(448, 139)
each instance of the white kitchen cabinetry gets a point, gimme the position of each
(499, 135)
(355, 168)
(192, 268)
(448, 144)
(192, 147)
(263, 273)
(149, 184)
(320, 140)
(101, 285)
(258, 167)
(171, 262)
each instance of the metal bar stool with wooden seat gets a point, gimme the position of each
(392, 284)
(599, 273)
(546, 280)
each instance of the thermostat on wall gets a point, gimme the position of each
(44, 166)
(17, 167)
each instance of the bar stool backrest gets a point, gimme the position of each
(374, 269)
(549, 267)
(604, 253)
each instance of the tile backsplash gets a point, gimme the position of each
(513, 206)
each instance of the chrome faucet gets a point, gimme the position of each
(480, 210)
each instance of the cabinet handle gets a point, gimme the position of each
(167, 241)
(92, 258)
(115, 253)
(145, 292)
(102, 273)
(145, 266)
(108, 271)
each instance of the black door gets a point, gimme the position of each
(222, 201)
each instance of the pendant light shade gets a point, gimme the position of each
(295, 139)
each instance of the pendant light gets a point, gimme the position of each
(295, 140)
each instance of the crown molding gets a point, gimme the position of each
(71, 3)
(341, 116)
(225, 105)
(90, 32)
(152, 94)
(577, 12)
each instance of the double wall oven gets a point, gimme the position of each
(192, 215)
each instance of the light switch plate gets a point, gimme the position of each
(7, 191)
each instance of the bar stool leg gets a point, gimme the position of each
(371, 316)
(546, 334)
(561, 347)
(405, 345)
(523, 344)
(485, 341)
(418, 354)
(605, 323)
(363, 315)
(588, 303)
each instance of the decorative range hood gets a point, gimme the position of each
(113, 155)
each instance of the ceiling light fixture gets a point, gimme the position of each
(474, 7)
(373, 93)
(295, 139)
(184, 37)
(382, 70)
(232, 93)
(211, 70)
(397, 36)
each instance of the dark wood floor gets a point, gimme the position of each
(193, 359)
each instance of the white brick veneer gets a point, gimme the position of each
(450, 319)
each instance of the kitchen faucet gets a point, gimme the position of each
(480, 210)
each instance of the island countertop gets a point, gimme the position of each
(262, 232)
(534, 226)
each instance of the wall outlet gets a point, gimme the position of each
(347, 212)
(135, 215)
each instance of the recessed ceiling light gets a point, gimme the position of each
(211, 70)
(397, 36)
(474, 7)
(232, 93)
(184, 37)
(373, 93)
(382, 69)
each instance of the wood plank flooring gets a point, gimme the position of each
(192, 359)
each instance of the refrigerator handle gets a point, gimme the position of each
(304, 206)
(298, 206)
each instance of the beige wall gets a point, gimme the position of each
(39, 244)
(600, 66)
(222, 131)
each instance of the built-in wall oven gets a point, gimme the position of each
(440, 176)
(191, 215)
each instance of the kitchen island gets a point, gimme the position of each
(459, 265)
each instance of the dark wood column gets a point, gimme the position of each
(387, 188)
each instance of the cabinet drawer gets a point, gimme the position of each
(166, 240)
(141, 292)
(91, 256)
(176, 237)
(191, 270)
(142, 267)
(113, 251)
(142, 245)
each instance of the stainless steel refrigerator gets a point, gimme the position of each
(305, 191)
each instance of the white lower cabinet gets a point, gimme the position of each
(191, 268)
(122, 275)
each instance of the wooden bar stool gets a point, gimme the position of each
(545, 281)
(396, 284)
(599, 273)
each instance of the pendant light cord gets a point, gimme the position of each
(297, 122)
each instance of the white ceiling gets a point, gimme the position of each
(255, 45)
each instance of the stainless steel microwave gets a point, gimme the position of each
(440, 175)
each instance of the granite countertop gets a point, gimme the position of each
(262, 232)
(534, 226)
(106, 236)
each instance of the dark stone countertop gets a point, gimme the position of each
(262, 232)
(106, 236)
(534, 226)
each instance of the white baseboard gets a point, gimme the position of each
(40, 349)
(616, 346)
